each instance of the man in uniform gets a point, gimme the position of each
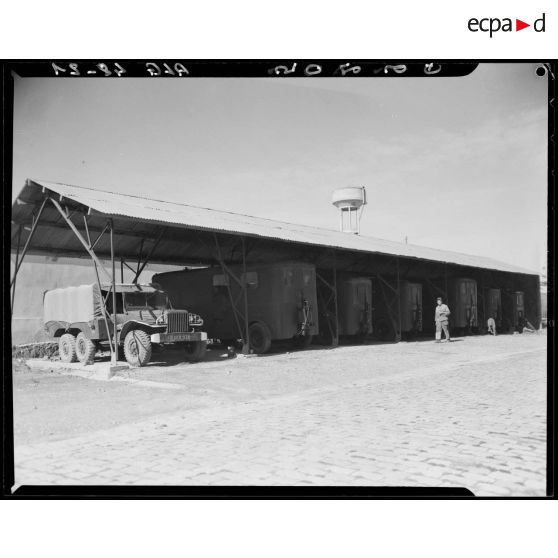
(441, 317)
(491, 325)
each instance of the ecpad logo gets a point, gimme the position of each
(494, 24)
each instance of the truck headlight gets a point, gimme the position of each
(194, 320)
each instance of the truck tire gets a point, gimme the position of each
(137, 347)
(67, 348)
(85, 349)
(195, 351)
(260, 338)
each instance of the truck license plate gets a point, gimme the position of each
(175, 337)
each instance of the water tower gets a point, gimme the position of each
(350, 202)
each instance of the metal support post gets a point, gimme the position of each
(324, 303)
(329, 305)
(16, 265)
(246, 344)
(389, 304)
(335, 308)
(148, 257)
(100, 287)
(483, 295)
(80, 237)
(227, 273)
(139, 261)
(433, 288)
(398, 333)
(31, 234)
(114, 355)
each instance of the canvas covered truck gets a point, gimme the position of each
(411, 307)
(354, 307)
(402, 311)
(281, 301)
(463, 305)
(145, 320)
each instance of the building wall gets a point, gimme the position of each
(40, 274)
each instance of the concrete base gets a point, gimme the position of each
(102, 371)
(96, 371)
(114, 368)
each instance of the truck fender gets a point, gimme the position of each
(133, 324)
(84, 327)
(56, 328)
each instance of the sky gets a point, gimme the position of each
(451, 163)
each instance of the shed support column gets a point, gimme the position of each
(101, 297)
(80, 237)
(335, 341)
(483, 294)
(393, 314)
(141, 265)
(228, 273)
(114, 355)
(246, 344)
(329, 305)
(31, 234)
(398, 335)
(16, 265)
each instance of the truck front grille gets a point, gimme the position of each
(177, 321)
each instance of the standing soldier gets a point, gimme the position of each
(491, 324)
(441, 316)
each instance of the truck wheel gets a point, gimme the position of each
(260, 338)
(137, 347)
(85, 349)
(195, 350)
(67, 348)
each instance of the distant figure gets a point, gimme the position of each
(441, 317)
(491, 324)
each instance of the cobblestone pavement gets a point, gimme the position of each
(481, 425)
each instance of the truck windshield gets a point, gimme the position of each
(158, 301)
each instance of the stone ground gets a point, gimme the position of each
(471, 413)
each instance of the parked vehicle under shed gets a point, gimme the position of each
(281, 301)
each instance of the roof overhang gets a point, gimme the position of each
(186, 234)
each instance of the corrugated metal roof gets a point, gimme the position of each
(188, 216)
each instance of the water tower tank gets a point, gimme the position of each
(350, 202)
(351, 197)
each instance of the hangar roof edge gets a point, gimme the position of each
(183, 215)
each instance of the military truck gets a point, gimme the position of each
(354, 307)
(409, 306)
(145, 319)
(463, 306)
(281, 301)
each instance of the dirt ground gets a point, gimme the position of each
(52, 406)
